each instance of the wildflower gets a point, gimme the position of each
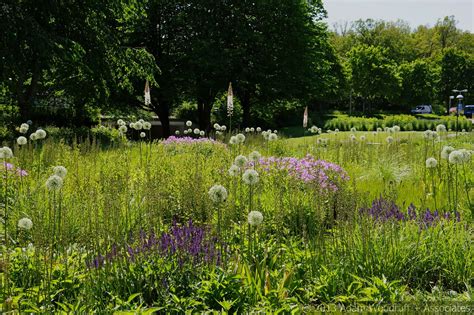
(147, 125)
(258, 129)
(123, 129)
(216, 126)
(21, 140)
(396, 128)
(313, 129)
(138, 126)
(336, 130)
(391, 130)
(389, 139)
(240, 137)
(218, 193)
(54, 182)
(196, 131)
(40, 134)
(29, 122)
(255, 218)
(250, 177)
(141, 121)
(234, 170)
(254, 156)
(429, 135)
(446, 151)
(223, 127)
(185, 132)
(33, 136)
(25, 126)
(189, 123)
(233, 140)
(177, 132)
(60, 171)
(353, 138)
(272, 137)
(218, 133)
(252, 129)
(190, 130)
(265, 135)
(23, 130)
(466, 155)
(120, 122)
(25, 224)
(241, 161)
(440, 128)
(456, 157)
(362, 138)
(247, 130)
(142, 134)
(353, 129)
(275, 131)
(379, 129)
(431, 162)
(6, 153)
(132, 125)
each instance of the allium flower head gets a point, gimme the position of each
(466, 155)
(33, 136)
(456, 157)
(120, 122)
(396, 128)
(233, 140)
(254, 156)
(147, 125)
(190, 131)
(40, 134)
(132, 125)
(223, 128)
(185, 132)
(196, 131)
(272, 137)
(336, 130)
(240, 137)
(241, 161)
(177, 132)
(431, 162)
(202, 133)
(255, 218)
(142, 134)
(234, 170)
(446, 151)
(54, 182)
(25, 126)
(362, 138)
(189, 123)
(265, 135)
(247, 129)
(430, 135)
(275, 131)
(313, 129)
(141, 121)
(379, 129)
(138, 126)
(252, 129)
(218, 193)
(216, 126)
(353, 129)
(123, 129)
(6, 153)
(250, 177)
(23, 130)
(25, 224)
(440, 128)
(21, 140)
(60, 171)
(258, 129)
(389, 139)
(353, 138)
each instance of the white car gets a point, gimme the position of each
(422, 109)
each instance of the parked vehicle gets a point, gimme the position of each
(469, 111)
(422, 109)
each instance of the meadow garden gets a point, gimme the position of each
(241, 222)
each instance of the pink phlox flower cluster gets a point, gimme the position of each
(309, 170)
(186, 140)
(11, 168)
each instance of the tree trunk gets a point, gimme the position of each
(163, 112)
(204, 114)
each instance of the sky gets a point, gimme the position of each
(415, 12)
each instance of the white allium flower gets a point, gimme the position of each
(142, 134)
(60, 171)
(120, 122)
(141, 121)
(23, 130)
(353, 129)
(252, 129)
(33, 136)
(313, 129)
(25, 126)
(329, 131)
(379, 129)
(336, 130)
(446, 151)
(241, 161)
(431, 162)
(21, 140)
(218, 193)
(466, 155)
(123, 129)
(240, 137)
(234, 170)
(258, 129)
(6, 153)
(275, 131)
(223, 128)
(189, 123)
(247, 129)
(40, 134)
(391, 130)
(185, 132)
(54, 182)
(389, 139)
(196, 131)
(147, 125)
(138, 126)
(353, 137)
(190, 131)
(272, 137)
(29, 122)
(254, 156)
(265, 135)
(216, 126)
(233, 140)
(202, 133)
(456, 157)
(255, 218)
(25, 224)
(430, 135)
(250, 177)
(132, 125)
(440, 128)
(218, 132)
(396, 128)
(362, 138)
(177, 132)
